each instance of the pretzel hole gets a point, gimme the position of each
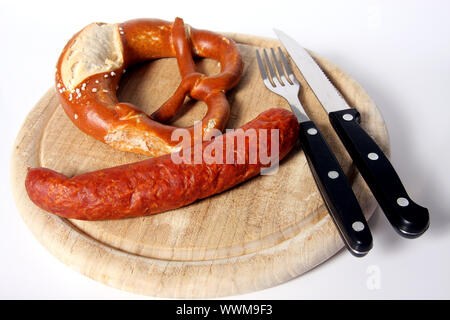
(192, 110)
(149, 84)
(207, 66)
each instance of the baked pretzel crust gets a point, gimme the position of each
(91, 64)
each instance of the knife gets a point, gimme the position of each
(408, 218)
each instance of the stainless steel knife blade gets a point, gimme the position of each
(324, 90)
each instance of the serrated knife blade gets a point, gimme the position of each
(324, 90)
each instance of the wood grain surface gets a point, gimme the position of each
(264, 232)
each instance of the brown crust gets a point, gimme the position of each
(122, 125)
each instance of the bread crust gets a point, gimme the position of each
(91, 64)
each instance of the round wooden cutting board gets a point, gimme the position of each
(259, 234)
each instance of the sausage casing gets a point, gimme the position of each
(159, 184)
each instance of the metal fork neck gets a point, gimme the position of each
(301, 116)
(297, 108)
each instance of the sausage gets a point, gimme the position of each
(159, 184)
(91, 64)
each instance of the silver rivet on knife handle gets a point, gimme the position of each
(358, 226)
(372, 156)
(402, 202)
(312, 131)
(347, 117)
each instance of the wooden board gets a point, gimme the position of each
(257, 235)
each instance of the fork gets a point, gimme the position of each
(328, 174)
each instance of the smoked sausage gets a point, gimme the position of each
(159, 184)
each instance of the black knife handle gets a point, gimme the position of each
(336, 191)
(408, 218)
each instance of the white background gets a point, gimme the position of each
(399, 51)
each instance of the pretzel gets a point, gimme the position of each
(91, 64)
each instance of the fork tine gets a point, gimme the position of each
(279, 67)
(262, 69)
(273, 75)
(287, 67)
